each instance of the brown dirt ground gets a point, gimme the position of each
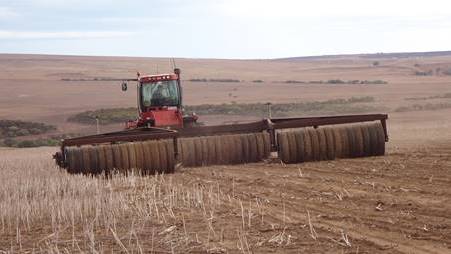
(393, 204)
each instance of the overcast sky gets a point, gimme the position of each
(223, 28)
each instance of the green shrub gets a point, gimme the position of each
(198, 80)
(224, 80)
(350, 105)
(213, 80)
(423, 107)
(286, 109)
(424, 73)
(335, 81)
(360, 99)
(8, 142)
(15, 128)
(373, 82)
(441, 96)
(105, 116)
(447, 72)
(294, 82)
(26, 143)
(316, 82)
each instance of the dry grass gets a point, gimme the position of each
(43, 209)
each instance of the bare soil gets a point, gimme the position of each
(393, 204)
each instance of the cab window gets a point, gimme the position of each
(161, 93)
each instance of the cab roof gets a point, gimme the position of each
(158, 77)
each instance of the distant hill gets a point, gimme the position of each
(375, 55)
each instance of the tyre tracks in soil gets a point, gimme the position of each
(396, 226)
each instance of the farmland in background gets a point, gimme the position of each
(37, 91)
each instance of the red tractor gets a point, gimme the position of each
(160, 102)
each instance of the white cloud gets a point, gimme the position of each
(62, 35)
(65, 3)
(7, 13)
(334, 8)
(136, 20)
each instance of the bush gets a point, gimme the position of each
(294, 82)
(117, 115)
(335, 81)
(286, 109)
(424, 73)
(316, 82)
(447, 72)
(224, 80)
(106, 116)
(361, 99)
(441, 96)
(213, 80)
(23, 132)
(15, 128)
(374, 82)
(26, 143)
(8, 142)
(198, 80)
(423, 107)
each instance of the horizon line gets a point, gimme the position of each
(432, 53)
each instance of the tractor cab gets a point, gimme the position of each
(160, 102)
(157, 92)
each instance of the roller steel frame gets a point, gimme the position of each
(271, 125)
